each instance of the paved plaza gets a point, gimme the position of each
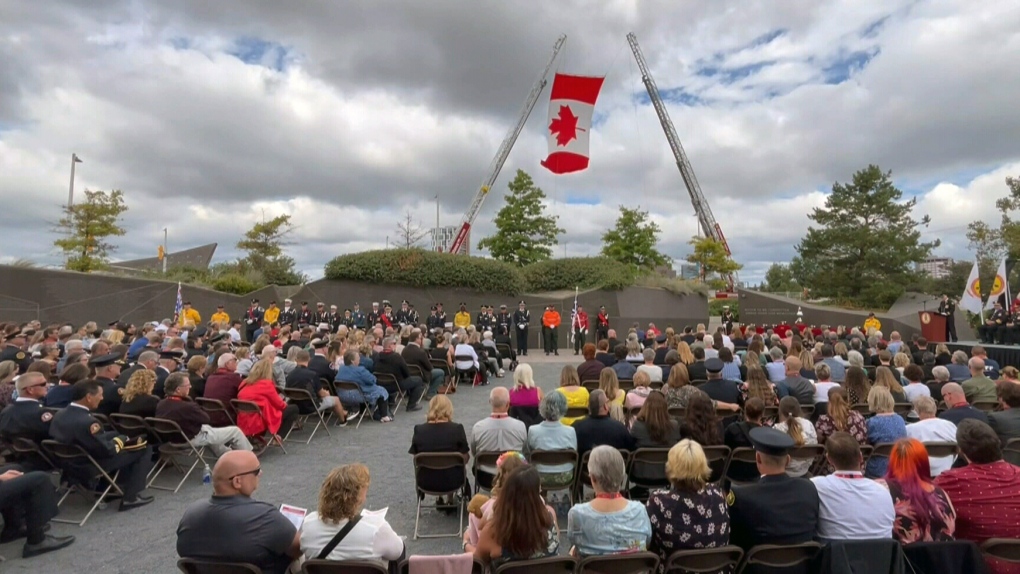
(144, 540)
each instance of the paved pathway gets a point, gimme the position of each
(143, 540)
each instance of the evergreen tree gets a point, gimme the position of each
(524, 234)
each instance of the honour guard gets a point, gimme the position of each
(503, 322)
(358, 317)
(602, 325)
(253, 320)
(320, 316)
(522, 317)
(304, 316)
(580, 327)
(947, 308)
(288, 314)
(727, 319)
(433, 321)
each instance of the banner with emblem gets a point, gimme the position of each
(971, 299)
(1000, 289)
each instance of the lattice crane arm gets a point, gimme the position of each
(504, 150)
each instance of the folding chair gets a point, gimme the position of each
(882, 449)
(216, 406)
(1011, 451)
(549, 565)
(807, 410)
(813, 453)
(451, 379)
(192, 566)
(342, 567)
(648, 458)
(436, 461)
(626, 385)
(903, 409)
(775, 556)
(576, 412)
(677, 412)
(254, 409)
(862, 408)
(771, 412)
(105, 420)
(704, 560)
(590, 384)
(173, 443)
(72, 455)
(557, 457)
(477, 567)
(718, 458)
(623, 563)
(302, 395)
(469, 372)
(581, 477)
(27, 449)
(355, 388)
(1006, 549)
(698, 382)
(484, 458)
(937, 449)
(740, 455)
(130, 425)
(382, 378)
(632, 412)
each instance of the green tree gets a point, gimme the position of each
(633, 239)
(866, 243)
(779, 279)
(524, 234)
(85, 227)
(711, 258)
(264, 243)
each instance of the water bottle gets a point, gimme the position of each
(206, 475)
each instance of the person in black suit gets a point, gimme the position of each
(947, 308)
(717, 388)
(169, 362)
(778, 509)
(26, 418)
(74, 425)
(738, 435)
(1005, 423)
(696, 370)
(319, 363)
(107, 371)
(440, 434)
(146, 360)
(599, 428)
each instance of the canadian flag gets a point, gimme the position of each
(571, 105)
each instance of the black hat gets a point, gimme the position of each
(104, 360)
(602, 306)
(218, 337)
(713, 365)
(176, 355)
(522, 302)
(199, 331)
(404, 302)
(433, 308)
(767, 440)
(439, 304)
(113, 323)
(254, 300)
(304, 302)
(219, 306)
(319, 343)
(661, 338)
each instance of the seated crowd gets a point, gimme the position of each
(683, 394)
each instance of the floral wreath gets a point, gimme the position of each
(510, 454)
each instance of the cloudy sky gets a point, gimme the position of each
(346, 114)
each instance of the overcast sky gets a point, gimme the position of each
(345, 114)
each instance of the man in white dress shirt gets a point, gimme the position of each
(932, 429)
(851, 507)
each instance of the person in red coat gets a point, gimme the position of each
(259, 388)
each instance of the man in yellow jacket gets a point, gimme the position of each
(462, 319)
(550, 324)
(221, 317)
(189, 314)
(872, 321)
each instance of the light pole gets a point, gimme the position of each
(70, 194)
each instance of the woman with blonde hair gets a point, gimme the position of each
(678, 388)
(8, 372)
(196, 368)
(136, 397)
(634, 351)
(244, 360)
(793, 423)
(610, 385)
(642, 388)
(440, 434)
(260, 343)
(807, 365)
(341, 499)
(686, 355)
(759, 387)
(691, 500)
(884, 377)
(885, 426)
(524, 392)
(839, 417)
(576, 395)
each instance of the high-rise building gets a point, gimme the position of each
(936, 267)
(443, 237)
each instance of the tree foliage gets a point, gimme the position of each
(86, 227)
(711, 258)
(865, 244)
(524, 233)
(264, 244)
(633, 239)
(779, 279)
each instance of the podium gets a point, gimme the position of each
(933, 326)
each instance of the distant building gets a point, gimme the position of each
(196, 257)
(935, 267)
(690, 271)
(443, 237)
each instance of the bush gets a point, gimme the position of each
(715, 307)
(420, 268)
(235, 283)
(580, 272)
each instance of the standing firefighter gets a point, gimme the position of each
(522, 317)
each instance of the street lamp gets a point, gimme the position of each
(70, 194)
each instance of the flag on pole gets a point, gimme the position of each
(971, 299)
(1000, 289)
(574, 318)
(571, 105)
(179, 306)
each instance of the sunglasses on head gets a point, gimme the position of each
(256, 472)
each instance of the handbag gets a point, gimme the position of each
(339, 537)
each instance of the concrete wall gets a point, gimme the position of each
(53, 296)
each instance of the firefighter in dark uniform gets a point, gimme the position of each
(320, 315)
(26, 418)
(994, 326)
(402, 317)
(441, 314)
(107, 370)
(522, 317)
(253, 320)
(503, 321)
(386, 318)
(602, 325)
(778, 509)
(304, 316)
(727, 320)
(947, 308)
(334, 319)
(373, 316)
(482, 320)
(412, 316)
(358, 317)
(288, 315)
(434, 321)
(75, 425)
(14, 350)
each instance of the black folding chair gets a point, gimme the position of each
(677, 412)
(253, 408)
(216, 406)
(73, 458)
(383, 378)
(438, 461)
(774, 556)
(303, 396)
(590, 384)
(342, 567)
(647, 459)
(718, 457)
(704, 560)
(483, 479)
(131, 425)
(938, 449)
(1006, 549)
(466, 372)
(626, 385)
(582, 479)
(623, 563)
(192, 566)
(742, 455)
(1011, 451)
(986, 406)
(355, 388)
(27, 449)
(172, 444)
(550, 565)
(557, 457)
(448, 373)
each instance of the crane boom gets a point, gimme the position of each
(709, 226)
(504, 150)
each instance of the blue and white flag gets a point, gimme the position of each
(179, 306)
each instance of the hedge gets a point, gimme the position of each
(581, 272)
(420, 268)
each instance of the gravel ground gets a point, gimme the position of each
(143, 540)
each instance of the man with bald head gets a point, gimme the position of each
(957, 407)
(230, 526)
(795, 385)
(498, 432)
(978, 387)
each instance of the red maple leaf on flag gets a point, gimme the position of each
(564, 126)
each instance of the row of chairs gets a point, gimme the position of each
(695, 561)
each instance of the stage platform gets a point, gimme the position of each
(1002, 354)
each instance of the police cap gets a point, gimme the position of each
(104, 360)
(712, 365)
(770, 441)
